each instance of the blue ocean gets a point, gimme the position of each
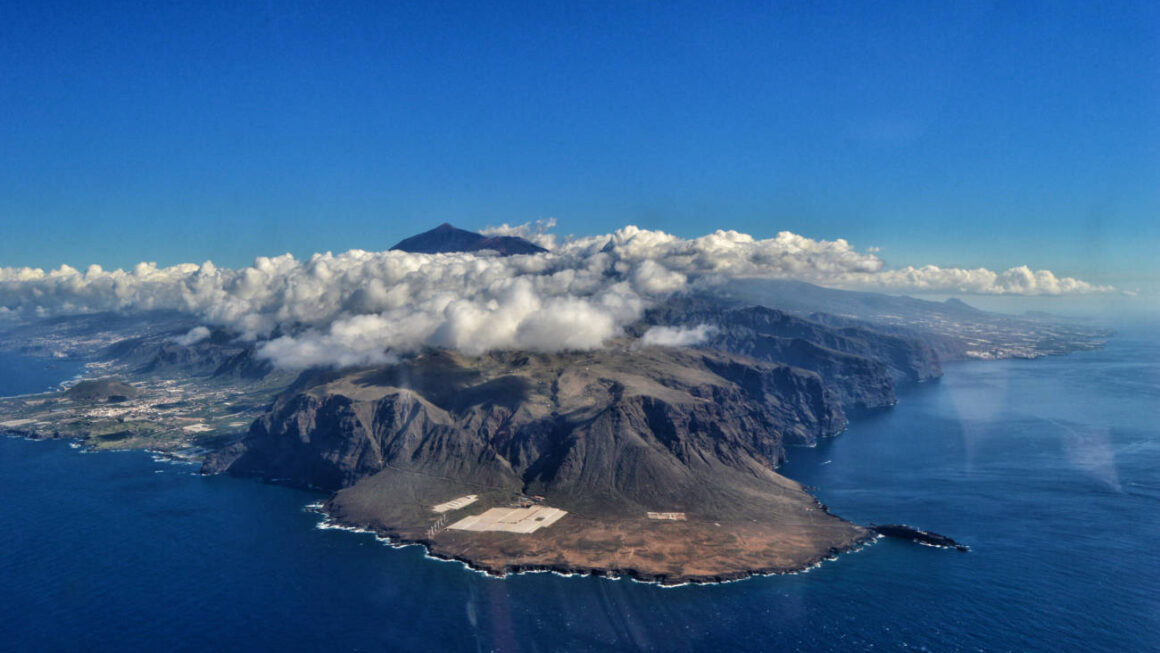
(1048, 469)
(23, 375)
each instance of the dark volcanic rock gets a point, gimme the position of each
(611, 436)
(607, 436)
(637, 426)
(862, 365)
(102, 390)
(902, 531)
(446, 238)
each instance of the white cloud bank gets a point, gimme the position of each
(537, 232)
(361, 307)
(193, 336)
(666, 336)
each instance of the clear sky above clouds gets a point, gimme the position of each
(968, 134)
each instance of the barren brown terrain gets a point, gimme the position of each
(778, 531)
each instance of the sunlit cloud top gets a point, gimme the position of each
(363, 307)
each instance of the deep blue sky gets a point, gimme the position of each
(971, 134)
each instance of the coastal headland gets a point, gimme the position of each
(645, 457)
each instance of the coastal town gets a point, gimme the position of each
(179, 416)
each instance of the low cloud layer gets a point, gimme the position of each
(538, 232)
(364, 307)
(1020, 280)
(193, 336)
(667, 336)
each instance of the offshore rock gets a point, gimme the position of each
(902, 531)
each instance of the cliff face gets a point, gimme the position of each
(608, 436)
(331, 441)
(862, 365)
(612, 425)
(611, 437)
(859, 382)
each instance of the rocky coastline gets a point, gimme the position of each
(398, 538)
(608, 437)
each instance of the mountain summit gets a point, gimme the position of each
(446, 238)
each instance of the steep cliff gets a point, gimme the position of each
(862, 365)
(609, 425)
(608, 436)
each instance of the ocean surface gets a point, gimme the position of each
(1048, 469)
(23, 375)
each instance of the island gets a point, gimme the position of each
(654, 456)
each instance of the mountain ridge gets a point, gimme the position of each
(607, 435)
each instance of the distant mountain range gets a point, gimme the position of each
(953, 328)
(446, 238)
